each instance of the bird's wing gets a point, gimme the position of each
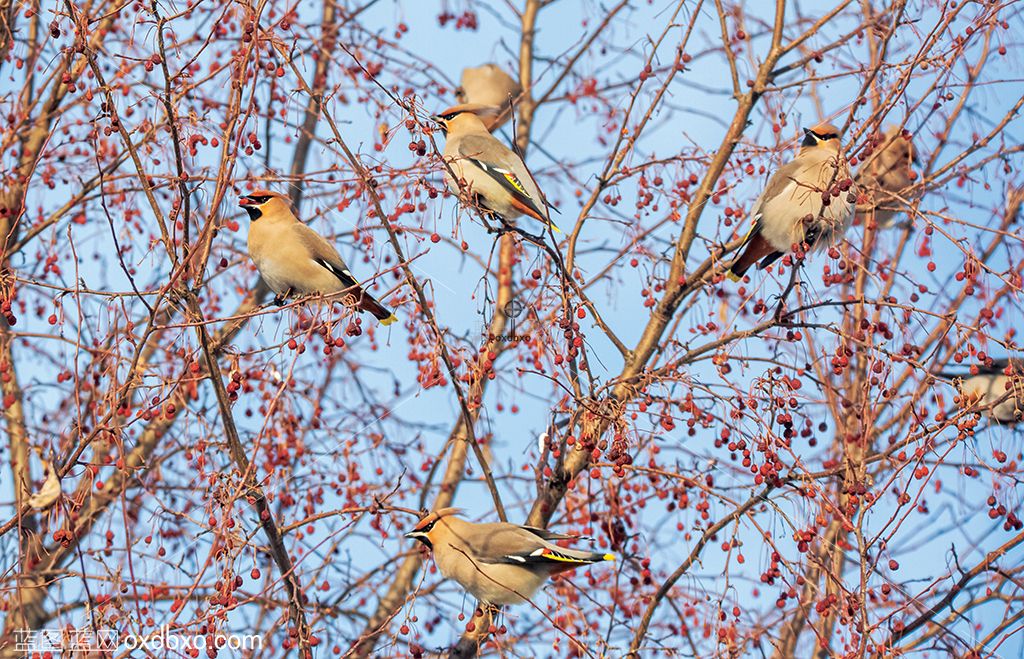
(548, 535)
(325, 254)
(783, 178)
(557, 558)
(755, 228)
(514, 545)
(508, 169)
(998, 367)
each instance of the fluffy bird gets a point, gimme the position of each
(295, 260)
(884, 182)
(808, 200)
(50, 490)
(498, 563)
(993, 383)
(494, 175)
(488, 84)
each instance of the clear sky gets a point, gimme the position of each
(568, 151)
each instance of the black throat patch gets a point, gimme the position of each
(254, 213)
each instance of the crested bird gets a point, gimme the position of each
(494, 175)
(49, 491)
(295, 260)
(808, 200)
(884, 182)
(488, 84)
(999, 386)
(498, 563)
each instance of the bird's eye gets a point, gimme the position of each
(262, 199)
(426, 529)
(449, 116)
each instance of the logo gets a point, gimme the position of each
(516, 313)
(66, 642)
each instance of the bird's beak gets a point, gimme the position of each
(245, 202)
(441, 123)
(421, 536)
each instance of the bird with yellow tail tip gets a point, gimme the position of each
(488, 84)
(808, 200)
(885, 182)
(295, 260)
(498, 563)
(491, 173)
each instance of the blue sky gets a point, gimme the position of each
(567, 155)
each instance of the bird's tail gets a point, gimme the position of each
(368, 303)
(754, 250)
(738, 269)
(739, 266)
(551, 207)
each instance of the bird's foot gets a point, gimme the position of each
(781, 317)
(281, 299)
(537, 239)
(486, 217)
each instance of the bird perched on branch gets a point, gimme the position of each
(487, 84)
(808, 200)
(492, 174)
(885, 181)
(49, 491)
(1002, 380)
(498, 563)
(295, 260)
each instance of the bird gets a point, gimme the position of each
(295, 260)
(808, 200)
(50, 490)
(494, 175)
(884, 182)
(991, 384)
(498, 563)
(488, 84)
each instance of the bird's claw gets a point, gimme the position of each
(781, 316)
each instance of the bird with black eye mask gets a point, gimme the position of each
(255, 204)
(295, 260)
(485, 170)
(497, 562)
(807, 200)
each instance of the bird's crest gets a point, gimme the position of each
(427, 522)
(825, 131)
(261, 192)
(479, 109)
